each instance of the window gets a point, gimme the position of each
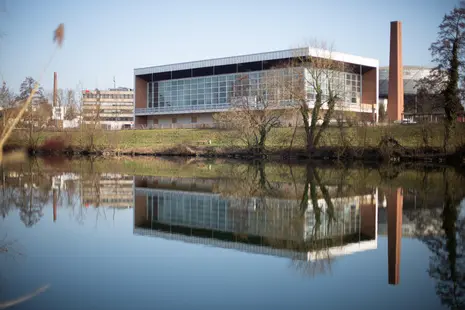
(194, 119)
(174, 120)
(155, 121)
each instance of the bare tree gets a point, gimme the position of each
(36, 120)
(256, 107)
(90, 125)
(7, 105)
(33, 91)
(322, 90)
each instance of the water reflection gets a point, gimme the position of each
(447, 262)
(309, 215)
(395, 204)
(30, 188)
(256, 215)
(26, 191)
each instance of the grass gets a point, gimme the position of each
(218, 141)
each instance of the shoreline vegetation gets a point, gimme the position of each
(394, 143)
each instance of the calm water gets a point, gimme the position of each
(164, 234)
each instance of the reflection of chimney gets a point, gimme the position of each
(55, 202)
(55, 89)
(394, 221)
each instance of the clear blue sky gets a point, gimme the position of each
(110, 38)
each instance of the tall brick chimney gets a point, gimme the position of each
(395, 107)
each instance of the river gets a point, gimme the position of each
(209, 234)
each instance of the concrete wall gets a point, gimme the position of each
(167, 121)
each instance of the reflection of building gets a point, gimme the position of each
(111, 109)
(108, 190)
(187, 94)
(62, 181)
(415, 223)
(261, 225)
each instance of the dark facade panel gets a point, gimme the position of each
(270, 64)
(225, 69)
(202, 71)
(162, 76)
(249, 66)
(182, 74)
(356, 69)
(145, 77)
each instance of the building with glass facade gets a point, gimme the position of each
(188, 94)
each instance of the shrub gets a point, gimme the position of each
(54, 145)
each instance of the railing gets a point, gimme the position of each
(363, 107)
(170, 110)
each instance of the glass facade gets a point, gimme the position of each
(215, 212)
(346, 85)
(218, 91)
(353, 87)
(246, 215)
(213, 92)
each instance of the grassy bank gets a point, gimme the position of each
(218, 142)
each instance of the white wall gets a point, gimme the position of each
(166, 121)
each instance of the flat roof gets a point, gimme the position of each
(290, 53)
(108, 91)
(409, 67)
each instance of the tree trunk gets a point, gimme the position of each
(447, 134)
(326, 120)
(261, 142)
(304, 110)
(315, 112)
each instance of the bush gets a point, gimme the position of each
(54, 145)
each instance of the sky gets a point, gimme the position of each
(106, 39)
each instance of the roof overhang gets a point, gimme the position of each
(283, 54)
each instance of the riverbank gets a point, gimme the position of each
(387, 143)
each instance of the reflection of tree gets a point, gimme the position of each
(447, 263)
(6, 194)
(318, 241)
(250, 181)
(319, 265)
(30, 202)
(28, 192)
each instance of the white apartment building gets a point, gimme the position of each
(109, 109)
